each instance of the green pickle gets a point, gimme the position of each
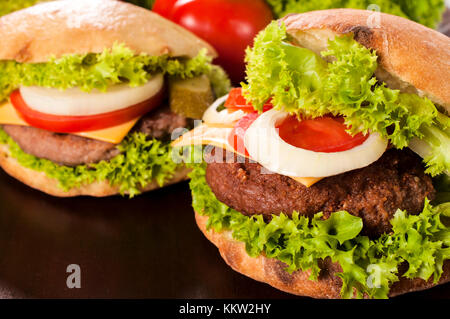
(190, 97)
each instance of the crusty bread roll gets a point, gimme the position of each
(40, 181)
(271, 271)
(89, 26)
(412, 58)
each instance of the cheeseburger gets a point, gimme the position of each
(91, 91)
(326, 174)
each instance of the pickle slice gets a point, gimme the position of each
(190, 97)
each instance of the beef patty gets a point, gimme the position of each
(374, 193)
(161, 123)
(72, 150)
(64, 149)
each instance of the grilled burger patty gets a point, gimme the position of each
(374, 193)
(64, 149)
(73, 150)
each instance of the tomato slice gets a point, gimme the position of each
(236, 101)
(236, 137)
(324, 134)
(75, 124)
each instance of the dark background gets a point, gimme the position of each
(147, 247)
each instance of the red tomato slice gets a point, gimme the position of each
(325, 134)
(74, 124)
(236, 101)
(236, 137)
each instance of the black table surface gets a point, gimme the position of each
(147, 247)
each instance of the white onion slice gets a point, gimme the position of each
(420, 147)
(212, 116)
(75, 102)
(265, 146)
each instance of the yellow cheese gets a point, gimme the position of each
(8, 115)
(307, 181)
(115, 134)
(218, 136)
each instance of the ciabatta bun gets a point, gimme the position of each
(89, 26)
(40, 181)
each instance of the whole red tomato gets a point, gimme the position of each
(228, 25)
(164, 7)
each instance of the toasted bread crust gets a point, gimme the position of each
(55, 28)
(412, 57)
(271, 271)
(40, 181)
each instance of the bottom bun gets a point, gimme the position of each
(271, 271)
(40, 181)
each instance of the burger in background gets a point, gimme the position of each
(88, 104)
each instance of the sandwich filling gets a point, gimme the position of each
(308, 163)
(76, 119)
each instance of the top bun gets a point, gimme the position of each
(412, 58)
(89, 26)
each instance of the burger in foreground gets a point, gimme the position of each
(311, 180)
(91, 91)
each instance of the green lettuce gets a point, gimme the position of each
(426, 12)
(299, 81)
(369, 267)
(98, 71)
(8, 6)
(140, 162)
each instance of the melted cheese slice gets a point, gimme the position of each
(114, 135)
(218, 136)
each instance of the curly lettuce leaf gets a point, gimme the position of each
(369, 267)
(98, 71)
(140, 162)
(426, 12)
(299, 81)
